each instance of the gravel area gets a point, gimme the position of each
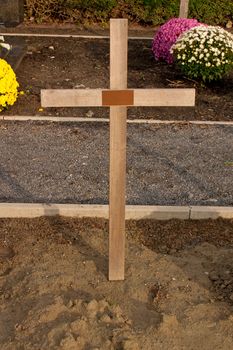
(68, 163)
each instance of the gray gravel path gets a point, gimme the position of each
(68, 163)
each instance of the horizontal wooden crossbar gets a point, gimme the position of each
(104, 97)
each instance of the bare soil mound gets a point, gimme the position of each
(54, 293)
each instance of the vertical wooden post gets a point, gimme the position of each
(118, 116)
(184, 8)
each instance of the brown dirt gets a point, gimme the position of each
(178, 292)
(84, 63)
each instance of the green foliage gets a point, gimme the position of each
(145, 12)
(42, 10)
(212, 12)
(94, 10)
(157, 12)
(98, 5)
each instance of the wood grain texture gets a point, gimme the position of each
(136, 97)
(184, 8)
(118, 117)
(118, 97)
(164, 97)
(71, 98)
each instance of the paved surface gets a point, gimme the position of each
(68, 163)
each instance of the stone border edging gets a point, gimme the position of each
(106, 120)
(78, 36)
(135, 212)
(209, 212)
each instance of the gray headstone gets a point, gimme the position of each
(11, 12)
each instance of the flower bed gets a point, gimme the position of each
(200, 51)
(205, 53)
(167, 36)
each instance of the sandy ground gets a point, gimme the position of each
(54, 293)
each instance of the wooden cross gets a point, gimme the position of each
(117, 98)
(184, 8)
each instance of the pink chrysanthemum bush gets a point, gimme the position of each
(204, 53)
(168, 34)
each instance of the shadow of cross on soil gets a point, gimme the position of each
(68, 233)
(143, 314)
(202, 249)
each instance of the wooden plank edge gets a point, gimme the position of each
(209, 212)
(167, 97)
(106, 120)
(134, 212)
(171, 97)
(71, 98)
(184, 9)
(78, 36)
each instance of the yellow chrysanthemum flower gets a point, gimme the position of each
(8, 85)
